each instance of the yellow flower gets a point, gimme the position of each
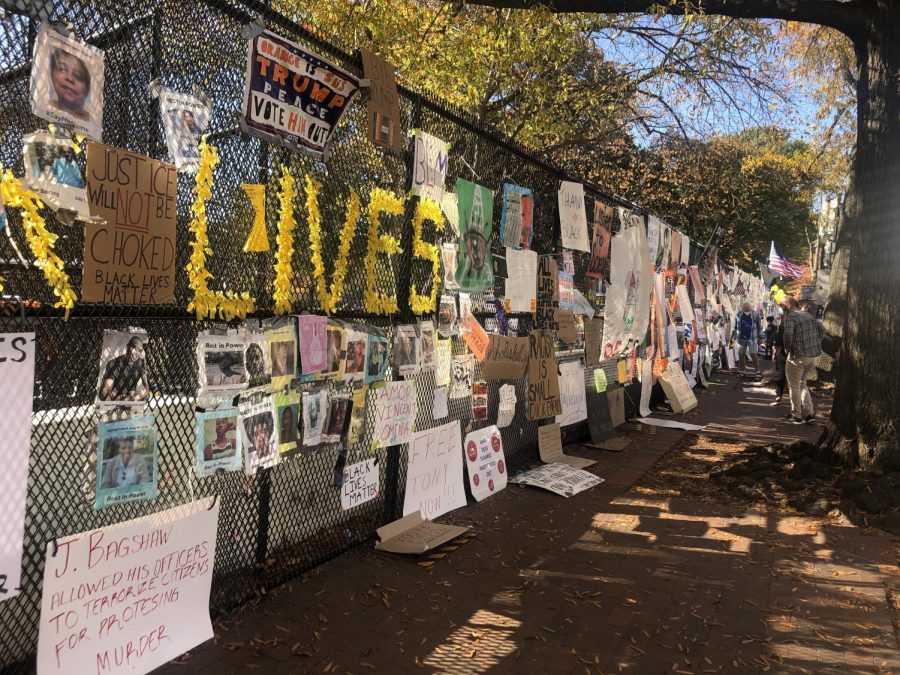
(285, 242)
(40, 240)
(380, 201)
(426, 209)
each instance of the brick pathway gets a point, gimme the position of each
(604, 582)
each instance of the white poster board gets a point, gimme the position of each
(572, 393)
(395, 412)
(572, 217)
(559, 478)
(485, 462)
(17, 376)
(429, 165)
(129, 597)
(521, 284)
(434, 473)
(361, 483)
(677, 389)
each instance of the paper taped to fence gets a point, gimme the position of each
(572, 216)
(17, 376)
(395, 412)
(485, 462)
(129, 597)
(560, 478)
(434, 473)
(361, 482)
(572, 393)
(292, 95)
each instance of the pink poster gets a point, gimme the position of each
(312, 343)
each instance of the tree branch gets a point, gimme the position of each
(847, 16)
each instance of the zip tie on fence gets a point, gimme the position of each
(213, 505)
(55, 547)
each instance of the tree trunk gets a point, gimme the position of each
(836, 302)
(866, 412)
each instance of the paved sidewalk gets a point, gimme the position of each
(608, 581)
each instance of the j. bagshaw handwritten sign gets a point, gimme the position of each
(130, 258)
(130, 597)
(543, 379)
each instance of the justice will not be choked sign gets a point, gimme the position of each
(129, 247)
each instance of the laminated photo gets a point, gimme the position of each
(282, 343)
(406, 350)
(185, 120)
(313, 354)
(356, 352)
(287, 418)
(257, 426)
(218, 442)
(427, 339)
(123, 369)
(256, 360)
(126, 461)
(67, 83)
(52, 171)
(221, 362)
(313, 417)
(447, 320)
(376, 367)
(516, 218)
(334, 350)
(337, 420)
(450, 261)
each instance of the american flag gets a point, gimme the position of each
(782, 266)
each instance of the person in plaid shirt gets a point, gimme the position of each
(803, 343)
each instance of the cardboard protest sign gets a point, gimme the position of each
(67, 83)
(600, 423)
(677, 389)
(17, 375)
(384, 102)
(476, 212)
(543, 380)
(129, 597)
(547, 305)
(517, 217)
(395, 412)
(593, 337)
(413, 534)
(434, 472)
(616, 398)
(185, 119)
(572, 393)
(551, 449)
(562, 479)
(53, 173)
(566, 330)
(572, 216)
(603, 222)
(475, 336)
(521, 285)
(218, 446)
(293, 96)
(506, 358)
(360, 483)
(485, 462)
(430, 163)
(130, 258)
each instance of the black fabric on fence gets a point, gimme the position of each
(286, 519)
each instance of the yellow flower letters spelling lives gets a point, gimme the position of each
(206, 303)
(285, 243)
(40, 240)
(328, 300)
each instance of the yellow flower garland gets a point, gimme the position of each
(40, 239)
(285, 243)
(329, 300)
(426, 209)
(206, 303)
(380, 201)
(257, 240)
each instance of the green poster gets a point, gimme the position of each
(476, 211)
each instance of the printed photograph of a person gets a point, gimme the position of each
(287, 432)
(123, 369)
(377, 358)
(71, 82)
(126, 461)
(222, 443)
(355, 363)
(255, 362)
(218, 445)
(259, 430)
(224, 368)
(283, 358)
(334, 349)
(53, 172)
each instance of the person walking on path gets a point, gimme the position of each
(803, 343)
(780, 358)
(747, 330)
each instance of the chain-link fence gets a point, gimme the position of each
(287, 519)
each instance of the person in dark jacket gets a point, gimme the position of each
(780, 356)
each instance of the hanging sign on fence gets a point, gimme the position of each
(395, 412)
(185, 119)
(361, 483)
(429, 166)
(293, 96)
(543, 379)
(384, 102)
(572, 393)
(476, 212)
(572, 216)
(129, 597)
(434, 474)
(603, 221)
(521, 284)
(516, 219)
(130, 258)
(547, 304)
(485, 462)
(17, 375)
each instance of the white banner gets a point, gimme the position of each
(129, 597)
(17, 376)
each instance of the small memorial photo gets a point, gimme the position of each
(67, 83)
(355, 362)
(256, 360)
(257, 424)
(126, 461)
(334, 350)
(53, 172)
(185, 119)
(283, 358)
(218, 442)
(123, 369)
(288, 417)
(426, 332)
(221, 359)
(338, 418)
(377, 365)
(406, 349)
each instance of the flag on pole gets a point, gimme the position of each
(782, 265)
